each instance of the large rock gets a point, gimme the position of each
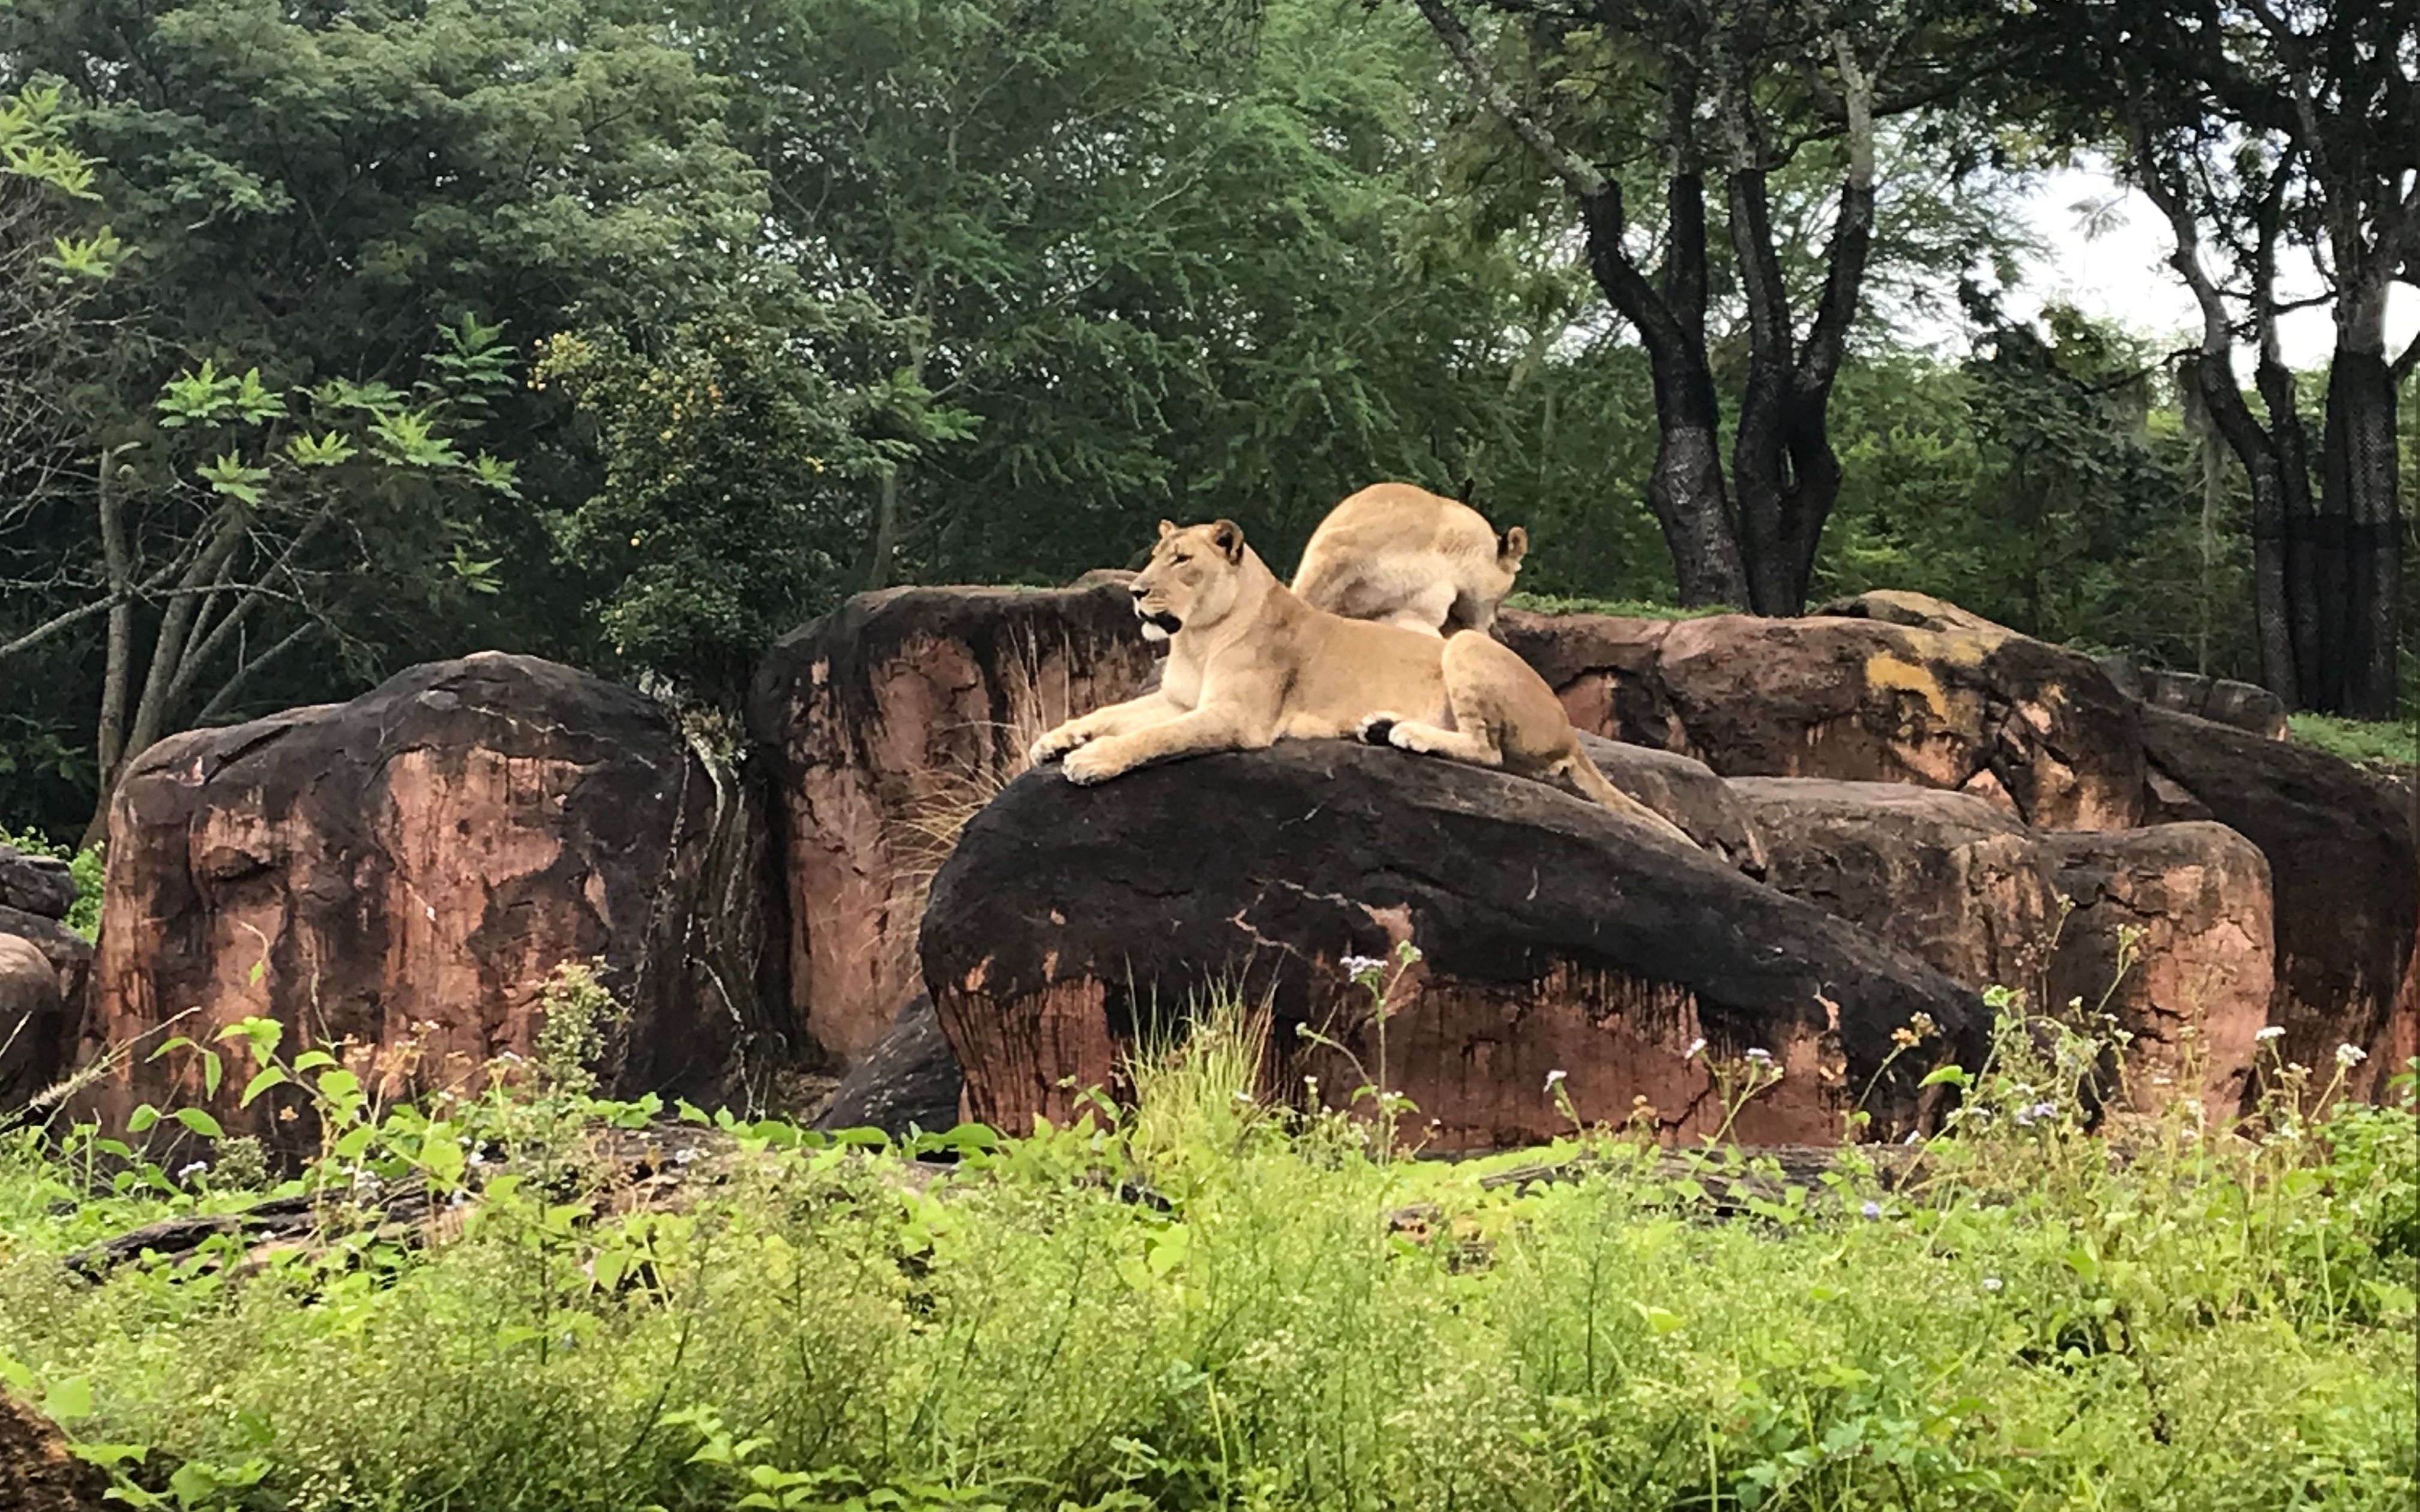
(2245, 705)
(2341, 863)
(883, 726)
(1557, 937)
(405, 871)
(38, 885)
(2170, 935)
(34, 1028)
(1944, 875)
(1954, 701)
(909, 1080)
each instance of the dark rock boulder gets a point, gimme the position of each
(36, 884)
(1954, 701)
(2341, 864)
(881, 727)
(34, 1028)
(1072, 923)
(909, 1079)
(396, 877)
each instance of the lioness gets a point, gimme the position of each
(1402, 555)
(1249, 663)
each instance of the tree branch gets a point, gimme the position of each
(1573, 170)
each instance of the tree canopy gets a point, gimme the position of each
(341, 337)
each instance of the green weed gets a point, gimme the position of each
(1211, 1298)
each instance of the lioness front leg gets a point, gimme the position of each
(1204, 730)
(1114, 719)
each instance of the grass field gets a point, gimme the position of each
(1208, 1301)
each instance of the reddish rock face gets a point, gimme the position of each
(1072, 921)
(2170, 930)
(1958, 703)
(884, 726)
(405, 871)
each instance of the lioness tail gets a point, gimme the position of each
(1585, 776)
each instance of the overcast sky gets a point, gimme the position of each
(2123, 274)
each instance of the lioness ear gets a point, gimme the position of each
(1167, 528)
(1515, 546)
(1228, 536)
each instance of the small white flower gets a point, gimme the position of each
(2274, 1031)
(1355, 965)
(1555, 1079)
(1763, 1057)
(186, 1173)
(2350, 1056)
(1872, 1210)
(1991, 1283)
(1697, 1048)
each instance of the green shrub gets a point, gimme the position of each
(1211, 1300)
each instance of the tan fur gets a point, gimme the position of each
(1402, 555)
(1249, 663)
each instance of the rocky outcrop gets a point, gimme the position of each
(1946, 876)
(34, 1028)
(1859, 695)
(1071, 924)
(2170, 935)
(909, 1080)
(2247, 706)
(404, 871)
(44, 967)
(882, 727)
(2341, 864)
(36, 884)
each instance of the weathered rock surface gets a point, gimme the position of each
(2170, 933)
(2247, 706)
(44, 967)
(34, 1028)
(38, 885)
(2341, 863)
(909, 1079)
(38, 1474)
(883, 725)
(406, 869)
(1946, 876)
(1954, 703)
(1071, 921)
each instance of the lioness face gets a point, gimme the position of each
(1190, 578)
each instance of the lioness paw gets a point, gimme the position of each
(1376, 729)
(1091, 764)
(1052, 746)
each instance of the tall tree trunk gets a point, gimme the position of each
(2363, 531)
(1686, 490)
(109, 739)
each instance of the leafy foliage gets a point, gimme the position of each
(1209, 1300)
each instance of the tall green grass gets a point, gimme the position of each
(1206, 1299)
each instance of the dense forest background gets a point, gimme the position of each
(340, 337)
